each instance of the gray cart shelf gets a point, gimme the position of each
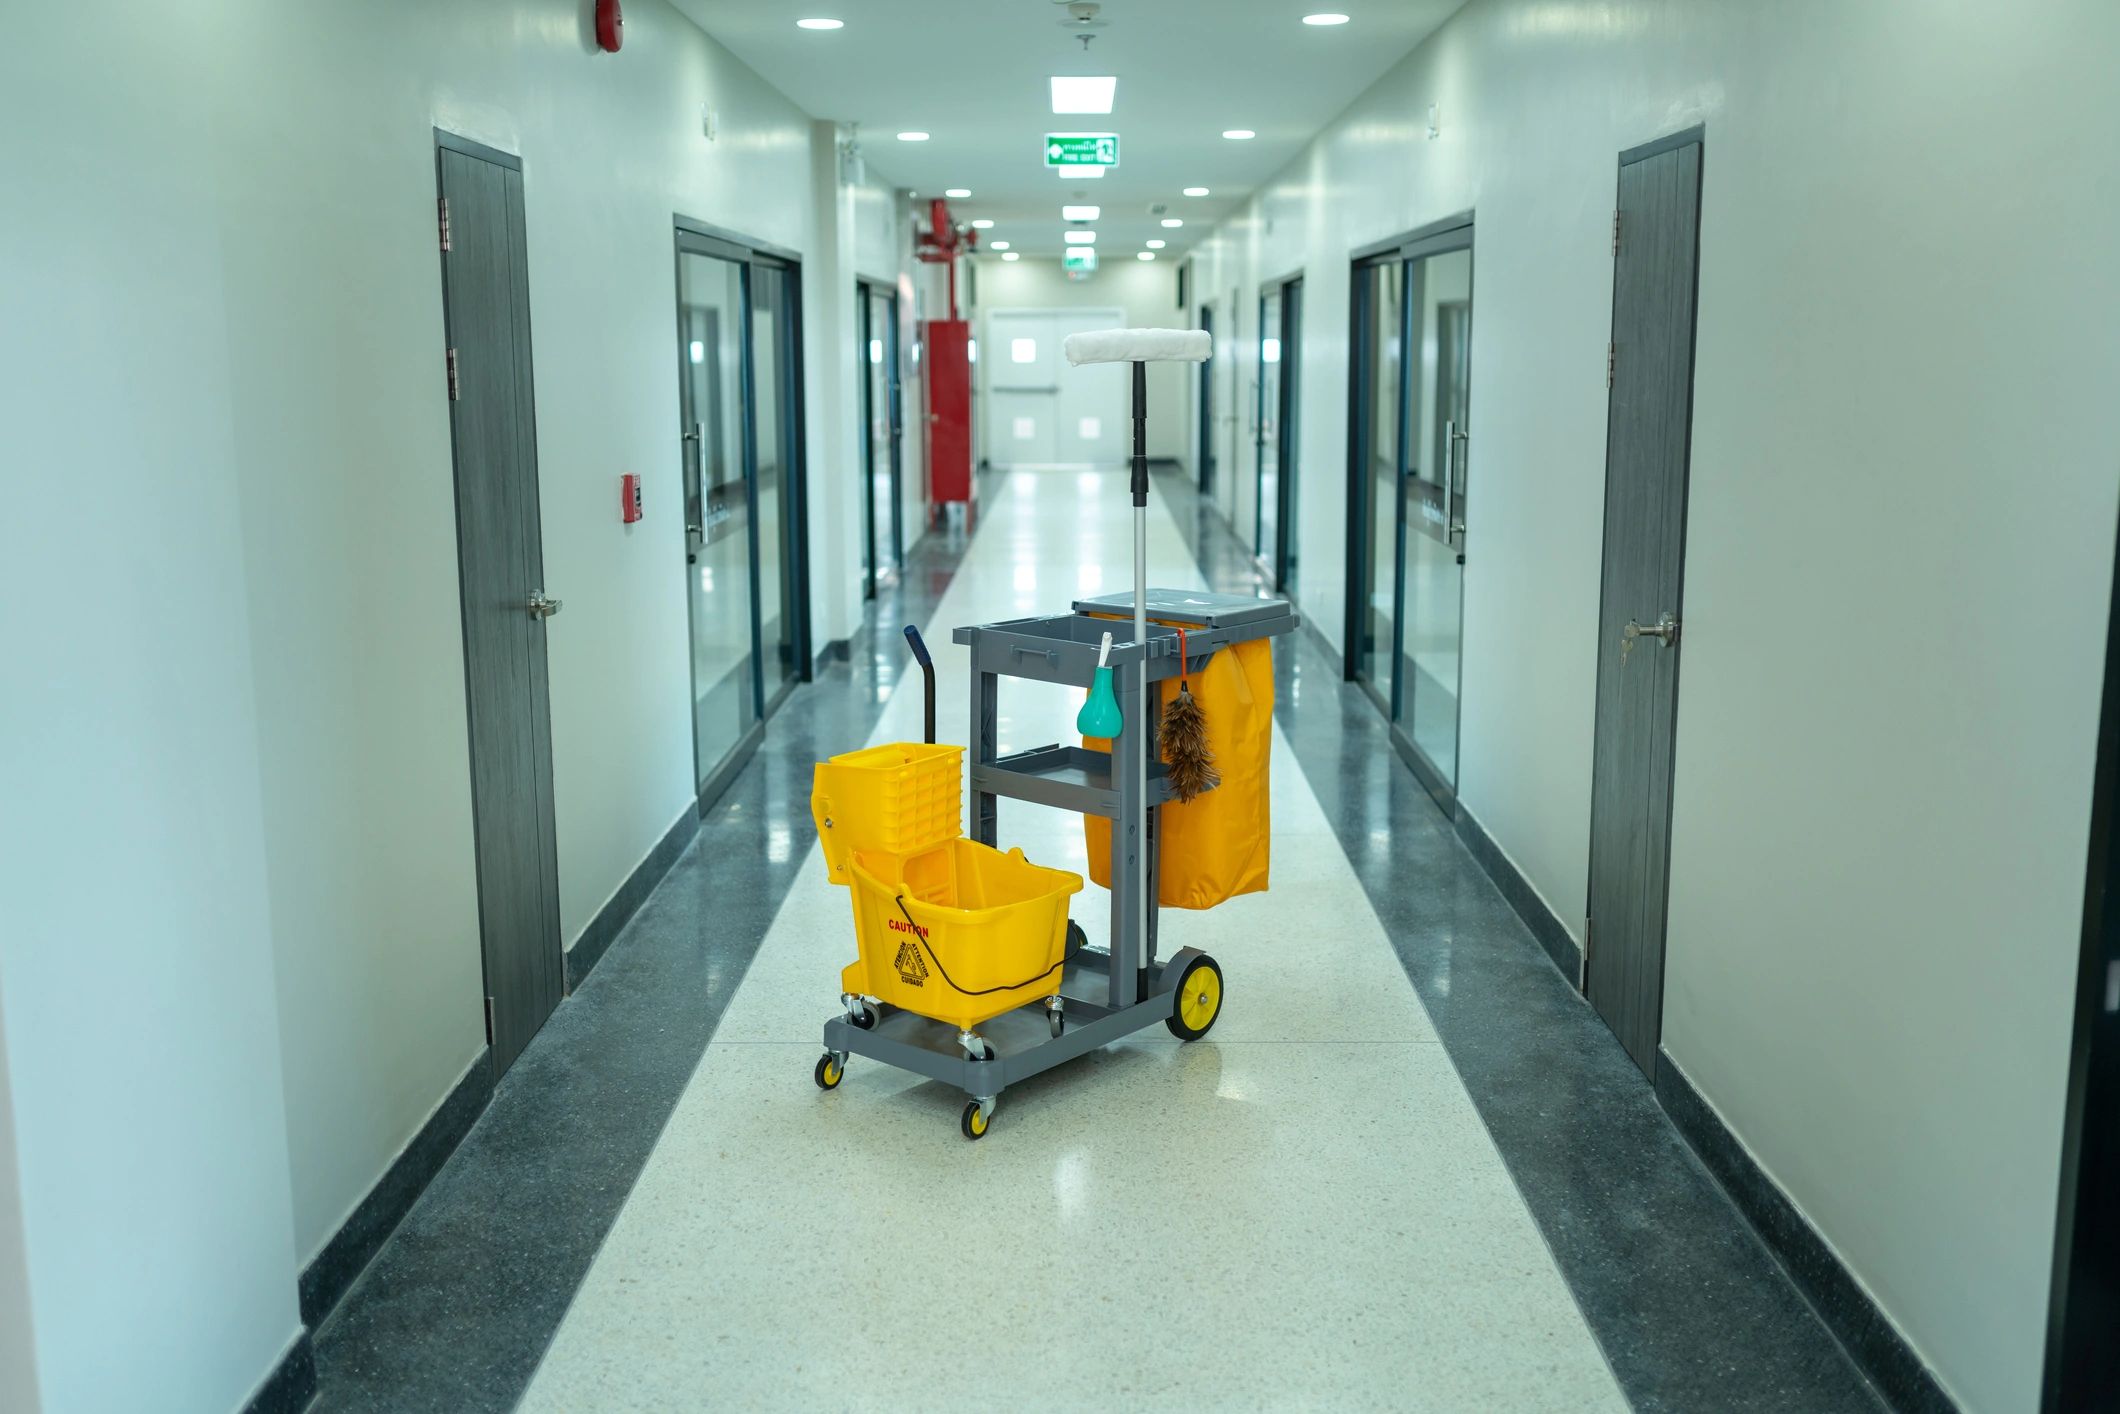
(1104, 993)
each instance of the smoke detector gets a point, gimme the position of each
(1082, 15)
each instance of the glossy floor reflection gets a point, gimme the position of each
(1307, 1200)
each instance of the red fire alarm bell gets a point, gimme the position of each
(629, 498)
(610, 26)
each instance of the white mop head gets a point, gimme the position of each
(1139, 346)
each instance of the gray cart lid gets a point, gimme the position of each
(1190, 606)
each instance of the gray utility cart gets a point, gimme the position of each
(1103, 993)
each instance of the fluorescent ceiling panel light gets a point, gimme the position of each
(1196, 191)
(1171, 223)
(1155, 245)
(997, 245)
(958, 193)
(923, 137)
(1144, 255)
(1089, 174)
(1079, 237)
(1079, 213)
(982, 224)
(1082, 95)
(820, 24)
(1011, 255)
(1325, 19)
(1233, 134)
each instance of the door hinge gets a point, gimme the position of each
(1611, 363)
(1582, 974)
(1615, 234)
(489, 1021)
(455, 390)
(443, 204)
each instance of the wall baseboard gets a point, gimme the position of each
(604, 928)
(328, 1277)
(292, 1383)
(837, 651)
(1544, 923)
(1855, 1320)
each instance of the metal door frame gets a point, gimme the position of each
(866, 291)
(692, 237)
(1206, 476)
(1274, 568)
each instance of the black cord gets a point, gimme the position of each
(921, 934)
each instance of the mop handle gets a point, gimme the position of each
(1141, 732)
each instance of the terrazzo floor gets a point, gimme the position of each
(1303, 1209)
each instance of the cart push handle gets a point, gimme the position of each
(927, 670)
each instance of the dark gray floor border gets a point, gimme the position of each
(292, 1383)
(1842, 1304)
(334, 1269)
(1544, 923)
(611, 919)
(1689, 1305)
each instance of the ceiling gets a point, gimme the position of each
(972, 73)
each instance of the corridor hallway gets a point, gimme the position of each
(1362, 1190)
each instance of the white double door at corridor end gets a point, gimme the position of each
(1039, 410)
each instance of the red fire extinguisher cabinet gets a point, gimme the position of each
(947, 346)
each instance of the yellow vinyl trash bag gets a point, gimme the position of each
(1215, 846)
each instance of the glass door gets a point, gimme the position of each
(1267, 453)
(772, 368)
(1207, 404)
(883, 539)
(1290, 426)
(1412, 371)
(1439, 302)
(1380, 374)
(725, 704)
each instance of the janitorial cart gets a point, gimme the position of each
(970, 970)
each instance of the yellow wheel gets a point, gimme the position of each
(830, 1071)
(1198, 1000)
(975, 1120)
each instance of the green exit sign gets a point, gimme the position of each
(1079, 259)
(1081, 149)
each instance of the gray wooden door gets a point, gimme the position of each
(500, 561)
(1647, 451)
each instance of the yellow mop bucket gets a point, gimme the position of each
(960, 932)
(902, 798)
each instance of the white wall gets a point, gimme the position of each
(142, 1042)
(1146, 290)
(1899, 550)
(239, 863)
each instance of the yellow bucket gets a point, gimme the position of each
(901, 799)
(960, 932)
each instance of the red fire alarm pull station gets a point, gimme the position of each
(629, 498)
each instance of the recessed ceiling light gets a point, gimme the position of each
(923, 137)
(997, 245)
(1233, 134)
(820, 24)
(1155, 245)
(1078, 95)
(1010, 255)
(1079, 237)
(1079, 213)
(1326, 19)
(982, 224)
(1171, 223)
(1085, 173)
(1196, 191)
(1144, 255)
(958, 193)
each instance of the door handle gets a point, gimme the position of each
(697, 434)
(543, 607)
(1664, 630)
(1452, 440)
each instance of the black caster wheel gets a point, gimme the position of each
(865, 1018)
(1198, 1000)
(975, 1122)
(1077, 940)
(1056, 1022)
(830, 1071)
